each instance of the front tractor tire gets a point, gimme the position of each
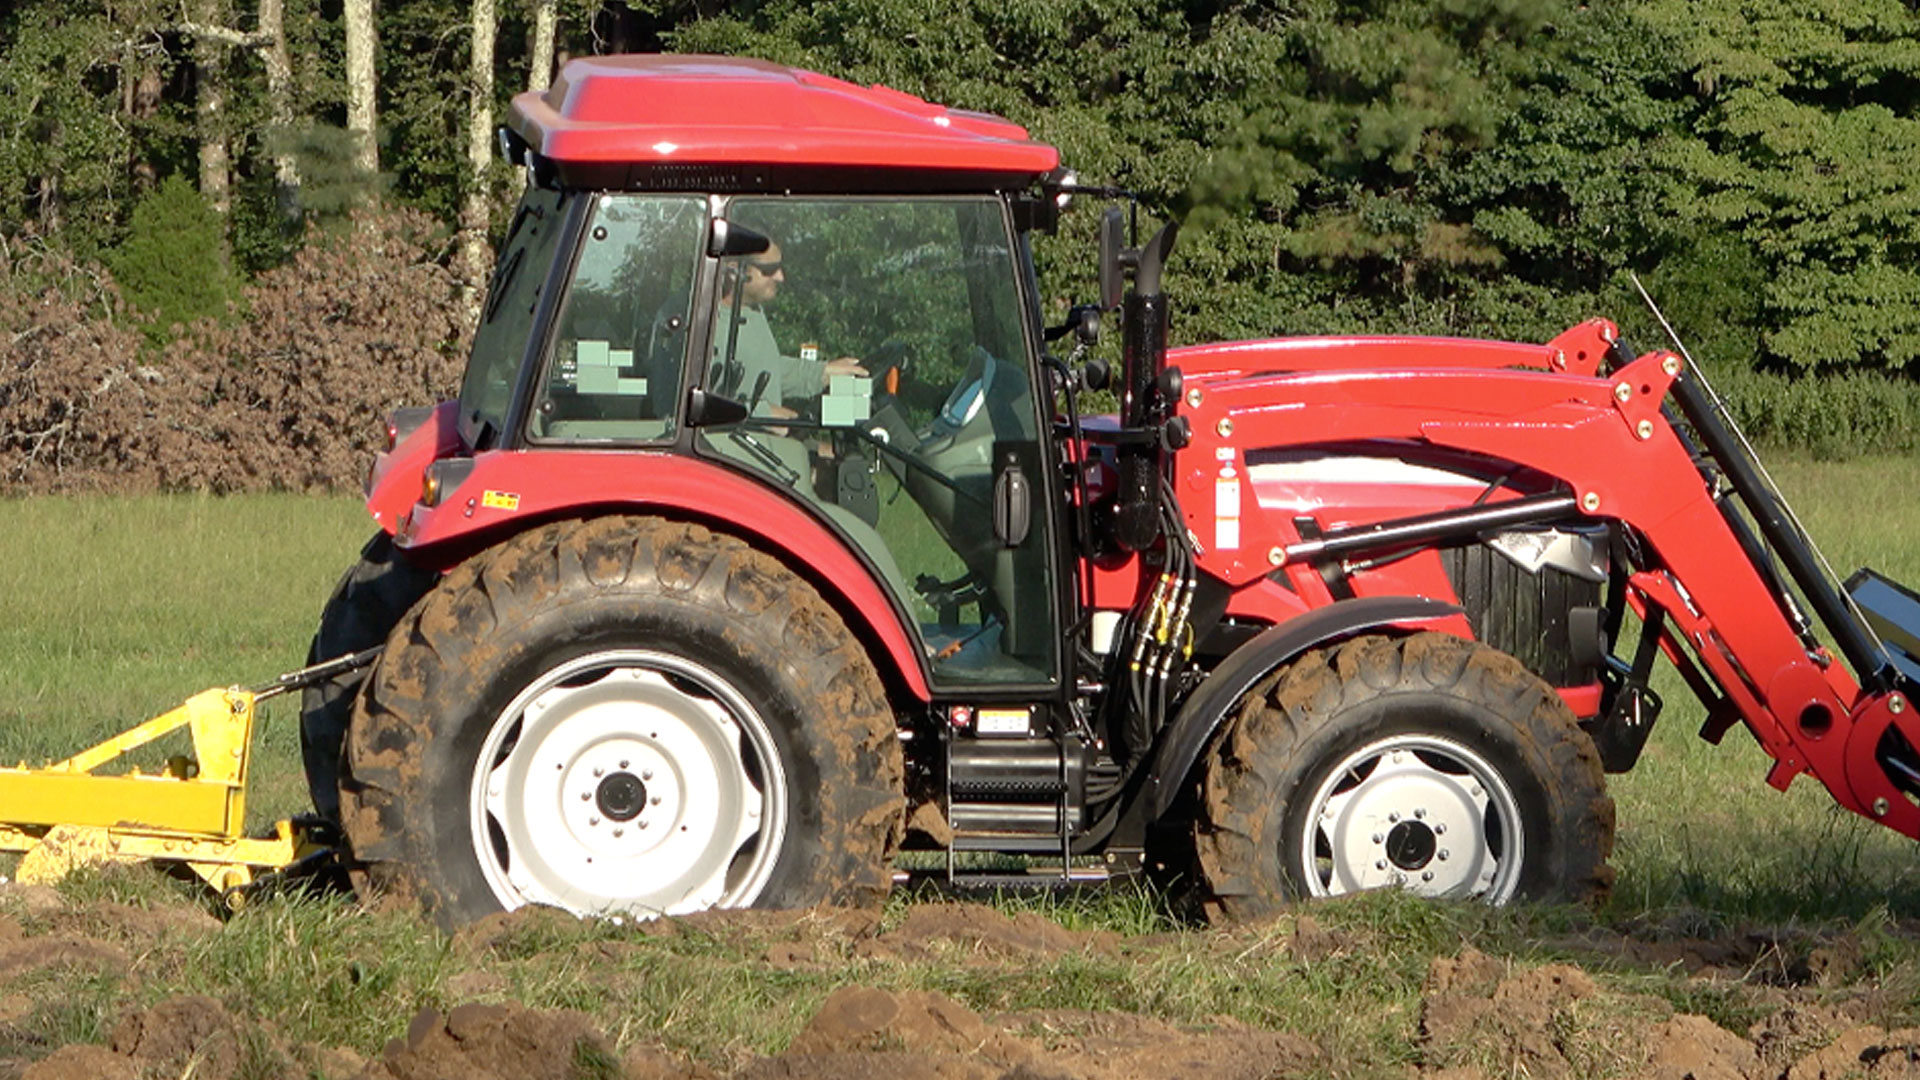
(1426, 762)
(622, 716)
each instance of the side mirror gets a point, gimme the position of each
(1086, 325)
(728, 241)
(1113, 252)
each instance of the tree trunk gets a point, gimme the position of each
(210, 111)
(358, 15)
(273, 53)
(142, 104)
(540, 65)
(473, 211)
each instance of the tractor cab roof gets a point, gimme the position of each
(724, 123)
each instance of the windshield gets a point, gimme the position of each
(500, 341)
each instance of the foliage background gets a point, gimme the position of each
(1483, 167)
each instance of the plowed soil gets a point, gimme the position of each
(1610, 1004)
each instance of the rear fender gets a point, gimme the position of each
(1207, 707)
(510, 491)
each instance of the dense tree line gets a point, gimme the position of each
(1486, 167)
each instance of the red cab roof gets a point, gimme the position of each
(643, 111)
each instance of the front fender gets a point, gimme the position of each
(1206, 708)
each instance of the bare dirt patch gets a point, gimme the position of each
(1475, 1014)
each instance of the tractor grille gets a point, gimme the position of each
(1522, 613)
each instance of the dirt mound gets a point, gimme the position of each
(82, 1063)
(183, 1035)
(861, 1031)
(496, 1042)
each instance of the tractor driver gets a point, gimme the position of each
(766, 378)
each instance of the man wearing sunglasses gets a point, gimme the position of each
(752, 368)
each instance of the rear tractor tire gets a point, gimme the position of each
(371, 597)
(622, 716)
(1426, 762)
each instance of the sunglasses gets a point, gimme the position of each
(767, 269)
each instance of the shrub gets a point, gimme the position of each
(173, 266)
(362, 321)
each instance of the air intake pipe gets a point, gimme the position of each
(1143, 355)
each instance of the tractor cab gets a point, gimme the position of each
(844, 314)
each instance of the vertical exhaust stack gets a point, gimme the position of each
(1143, 355)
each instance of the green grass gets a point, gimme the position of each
(119, 609)
(1699, 827)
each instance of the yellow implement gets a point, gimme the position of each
(64, 815)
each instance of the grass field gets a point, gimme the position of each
(117, 609)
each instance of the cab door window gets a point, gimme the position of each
(879, 349)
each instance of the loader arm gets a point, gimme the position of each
(1612, 453)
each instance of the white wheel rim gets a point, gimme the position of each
(628, 783)
(1419, 812)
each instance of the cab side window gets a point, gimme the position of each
(620, 344)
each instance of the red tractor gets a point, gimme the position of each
(767, 538)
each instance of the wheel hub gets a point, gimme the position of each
(1418, 812)
(621, 796)
(1411, 845)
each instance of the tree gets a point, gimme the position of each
(173, 265)
(1807, 150)
(362, 84)
(476, 256)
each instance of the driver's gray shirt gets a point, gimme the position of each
(757, 352)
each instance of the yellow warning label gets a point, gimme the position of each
(500, 500)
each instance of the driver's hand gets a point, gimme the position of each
(780, 412)
(846, 365)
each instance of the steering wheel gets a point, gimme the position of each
(888, 365)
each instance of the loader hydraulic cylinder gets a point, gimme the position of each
(1856, 643)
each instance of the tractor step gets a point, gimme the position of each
(1037, 879)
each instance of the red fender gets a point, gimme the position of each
(508, 491)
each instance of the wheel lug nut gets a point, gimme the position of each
(1420, 814)
(655, 801)
(1440, 829)
(1379, 838)
(1393, 818)
(585, 796)
(1442, 854)
(619, 832)
(1380, 864)
(593, 821)
(646, 774)
(623, 764)
(598, 771)
(642, 823)
(1426, 875)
